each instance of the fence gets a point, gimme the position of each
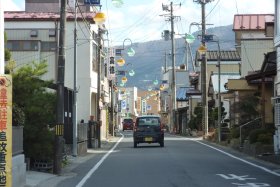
(82, 130)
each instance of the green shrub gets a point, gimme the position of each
(263, 136)
(234, 133)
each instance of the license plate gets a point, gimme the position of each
(148, 139)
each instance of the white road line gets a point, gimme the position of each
(83, 181)
(242, 160)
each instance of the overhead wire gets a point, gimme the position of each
(245, 50)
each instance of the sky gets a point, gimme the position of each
(144, 20)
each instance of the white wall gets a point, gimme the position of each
(252, 54)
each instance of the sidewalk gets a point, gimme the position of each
(42, 179)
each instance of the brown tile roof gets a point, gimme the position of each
(251, 21)
(43, 16)
(225, 56)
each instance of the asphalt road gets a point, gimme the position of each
(183, 162)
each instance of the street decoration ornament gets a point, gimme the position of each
(99, 17)
(121, 62)
(190, 38)
(117, 3)
(131, 72)
(124, 80)
(155, 82)
(130, 52)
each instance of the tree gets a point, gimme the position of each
(247, 108)
(196, 120)
(30, 94)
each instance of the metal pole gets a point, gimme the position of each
(60, 89)
(204, 75)
(75, 134)
(112, 108)
(173, 85)
(98, 117)
(219, 91)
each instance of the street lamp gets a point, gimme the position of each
(130, 52)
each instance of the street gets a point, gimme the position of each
(182, 162)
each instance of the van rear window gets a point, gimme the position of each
(128, 120)
(153, 121)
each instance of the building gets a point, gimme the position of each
(276, 98)
(33, 36)
(252, 39)
(182, 80)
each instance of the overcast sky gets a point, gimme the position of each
(140, 20)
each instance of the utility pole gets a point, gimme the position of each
(173, 86)
(75, 134)
(111, 126)
(204, 69)
(98, 111)
(173, 83)
(60, 91)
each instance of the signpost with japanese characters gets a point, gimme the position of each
(5, 130)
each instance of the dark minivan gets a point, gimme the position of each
(148, 129)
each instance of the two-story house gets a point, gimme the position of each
(33, 35)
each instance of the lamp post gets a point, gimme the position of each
(130, 52)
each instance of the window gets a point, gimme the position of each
(94, 57)
(33, 33)
(22, 45)
(48, 46)
(52, 33)
(152, 121)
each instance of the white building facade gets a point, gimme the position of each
(35, 36)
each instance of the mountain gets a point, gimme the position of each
(150, 56)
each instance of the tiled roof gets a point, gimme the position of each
(225, 56)
(43, 16)
(251, 21)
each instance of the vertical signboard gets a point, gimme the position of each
(5, 130)
(2, 56)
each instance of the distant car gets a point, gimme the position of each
(148, 129)
(127, 124)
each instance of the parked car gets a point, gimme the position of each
(127, 124)
(148, 129)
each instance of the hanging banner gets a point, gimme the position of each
(5, 130)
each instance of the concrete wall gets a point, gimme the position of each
(18, 171)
